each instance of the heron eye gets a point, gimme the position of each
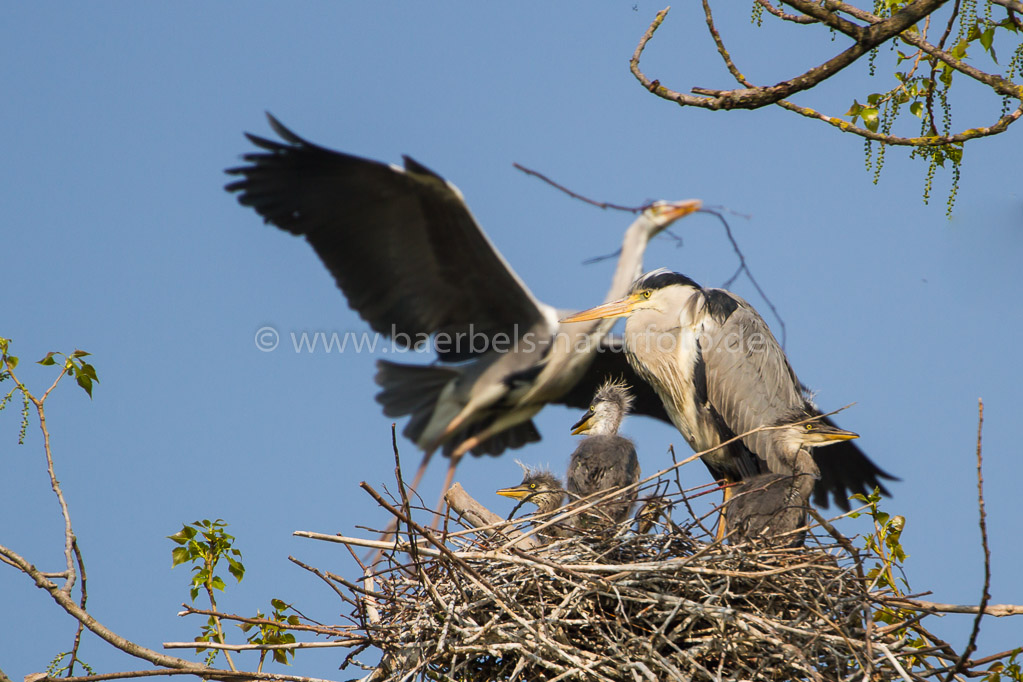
(532, 486)
(809, 427)
(645, 294)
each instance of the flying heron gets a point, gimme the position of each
(604, 460)
(412, 261)
(770, 506)
(720, 373)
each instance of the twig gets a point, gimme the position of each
(575, 195)
(985, 596)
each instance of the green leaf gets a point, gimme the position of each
(79, 354)
(870, 119)
(48, 360)
(86, 383)
(218, 583)
(987, 38)
(89, 371)
(184, 535)
(235, 568)
(12, 361)
(178, 556)
(917, 109)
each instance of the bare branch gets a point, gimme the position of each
(996, 610)
(795, 18)
(985, 596)
(878, 31)
(575, 195)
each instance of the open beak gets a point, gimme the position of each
(620, 308)
(583, 425)
(519, 492)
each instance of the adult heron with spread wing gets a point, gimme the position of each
(720, 373)
(412, 261)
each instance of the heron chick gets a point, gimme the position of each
(539, 487)
(769, 507)
(604, 461)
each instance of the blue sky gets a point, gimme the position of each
(119, 239)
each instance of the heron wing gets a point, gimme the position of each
(610, 362)
(400, 243)
(749, 381)
(845, 470)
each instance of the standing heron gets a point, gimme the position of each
(412, 261)
(720, 373)
(770, 506)
(604, 461)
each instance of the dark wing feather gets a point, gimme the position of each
(401, 244)
(610, 362)
(845, 470)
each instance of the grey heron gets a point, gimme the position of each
(410, 258)
(770, 506)
(542, 488)
(604, 460)
(720, 373)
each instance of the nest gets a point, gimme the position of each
(486, 599)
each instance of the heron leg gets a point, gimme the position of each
(448, 480)
(722, 524)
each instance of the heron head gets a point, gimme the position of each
(610, 404)
(660, 290)
(542, 488)
(817, 433)
(661, 214)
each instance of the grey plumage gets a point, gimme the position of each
(544, 489)
(768, 508)
(720, 372)
(604, 460)
(410, 258)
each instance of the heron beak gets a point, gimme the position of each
(673, 210)
(826, 435)
(582, 426)
(518, 492)
(620, 308)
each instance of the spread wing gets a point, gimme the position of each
(400, 242)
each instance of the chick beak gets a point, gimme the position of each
(582, 426)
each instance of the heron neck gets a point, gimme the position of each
(606, 427)
(630, 260)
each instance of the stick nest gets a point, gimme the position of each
(612, 604)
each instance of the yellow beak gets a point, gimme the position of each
(674, 210)
(583, 425)
(519, 492)
(620, 308)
